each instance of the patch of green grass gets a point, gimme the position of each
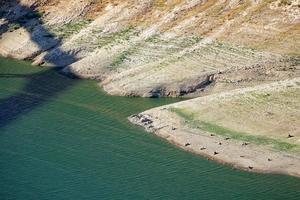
(240, 50)
(259, 140)
(179, 42)
(125, 34)
(236, 135)
(71, 28)
(285, 2)
(123, 56)
(119, 37)
(153, 39)
(100, 40)
(116, 38)
(13, 26)
(189, 116)
(189, 41)
(120, 59)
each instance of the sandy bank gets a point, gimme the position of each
(246, 157)
(239, 153)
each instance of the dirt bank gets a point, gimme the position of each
(206, 126)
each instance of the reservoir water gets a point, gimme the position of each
(63, 138)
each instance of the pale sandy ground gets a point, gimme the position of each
(157, 48)
(165, 123)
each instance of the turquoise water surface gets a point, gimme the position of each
(62, 138)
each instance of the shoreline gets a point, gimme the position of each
(234, 153)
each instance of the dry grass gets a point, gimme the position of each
(211, 15)
(264, 116)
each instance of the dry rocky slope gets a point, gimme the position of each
(156, 48)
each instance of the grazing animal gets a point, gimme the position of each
(203, 148)
(212, 135)
(187, 144)
(250, 167)
(269, 159)
(290, 136)
(215, 153)
(220, 143)
(227, 138)
(245, 143)
(173, 128)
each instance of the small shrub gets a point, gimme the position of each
(13, 26)
(33, 15)
(120, 59)
(285, 2)
(71, 28)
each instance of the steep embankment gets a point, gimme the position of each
(158, 48)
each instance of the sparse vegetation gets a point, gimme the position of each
(259, 140)
(33, 15)
(192, 121)
(159, 3)
(70, 29)
(123, 35)
(98, 40)
(120, 59)
(153, 39)
(285, 2)
(13, 26)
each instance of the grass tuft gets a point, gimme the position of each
(70, 29)
(13, 26)
(120, 59)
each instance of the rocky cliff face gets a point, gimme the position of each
(156, 47)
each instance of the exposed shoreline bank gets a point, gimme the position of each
(238, 153)
(252, 158)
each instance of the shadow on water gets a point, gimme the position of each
(40, 87)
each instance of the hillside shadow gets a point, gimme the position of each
(40, 87)
(30, 19)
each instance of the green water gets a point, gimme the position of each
(62, 138)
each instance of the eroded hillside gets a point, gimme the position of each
(158, 48)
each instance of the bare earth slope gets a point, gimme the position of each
(157, 48)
